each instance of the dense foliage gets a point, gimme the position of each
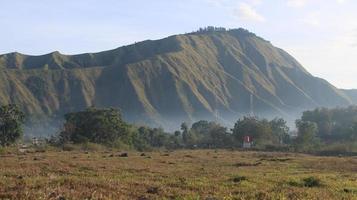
(103, 126)
(307, 138)
(338, 124)
(11, 121)
(314, 129)
(204, 134)
(330, 130)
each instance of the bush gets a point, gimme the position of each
(294, 183)
(311, 182)
(306, 182)
(239, 179)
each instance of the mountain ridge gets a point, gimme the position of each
(179, 78)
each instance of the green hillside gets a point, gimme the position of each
(179, 78)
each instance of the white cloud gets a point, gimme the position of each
(243, 10)
(247, 12)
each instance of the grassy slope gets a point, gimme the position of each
(173, 79)
(199, 174)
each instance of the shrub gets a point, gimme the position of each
(239, 179)
(311, 182)
(294, 183)
(11, 121)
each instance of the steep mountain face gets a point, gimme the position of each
(179, 78)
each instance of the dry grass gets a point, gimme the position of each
(199, 174)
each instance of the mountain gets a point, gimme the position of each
(352, 94)
(207, 74)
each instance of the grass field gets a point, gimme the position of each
(196, 174)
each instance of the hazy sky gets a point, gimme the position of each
(321, 34)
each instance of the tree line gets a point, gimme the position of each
(106, 127)
(315, 129)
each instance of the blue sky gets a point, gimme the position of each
(321, 34)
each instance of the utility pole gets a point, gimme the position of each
(251, 105)
(215, 112)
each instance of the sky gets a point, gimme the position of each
(320, 34)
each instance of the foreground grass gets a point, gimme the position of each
(198, 174)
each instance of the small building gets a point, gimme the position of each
(247, 142)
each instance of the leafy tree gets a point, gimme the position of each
(259, 130)
(219, 136)
(104, 126)
(333, 124)
(201, 127)
(159, 137)
(307, 131)
(156, 137)
(210, 134)
(211, 29)
(177, 133)
(280, 131)
(323, 119)
(185, 132)
(11, 121)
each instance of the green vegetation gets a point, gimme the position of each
(339, 124)
(94, 127)
(332, 131)
(239, 179)
(107, 128)
(103, 126)
(311, 182)
(306, 135)
(11, 121)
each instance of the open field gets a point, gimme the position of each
(196, 174)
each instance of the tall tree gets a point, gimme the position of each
(185, 133)
(103, 126)
(280, 130)
(307, 132)
(11, 122)
(259, 130)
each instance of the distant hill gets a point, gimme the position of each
(352, 94)
(202, 75)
